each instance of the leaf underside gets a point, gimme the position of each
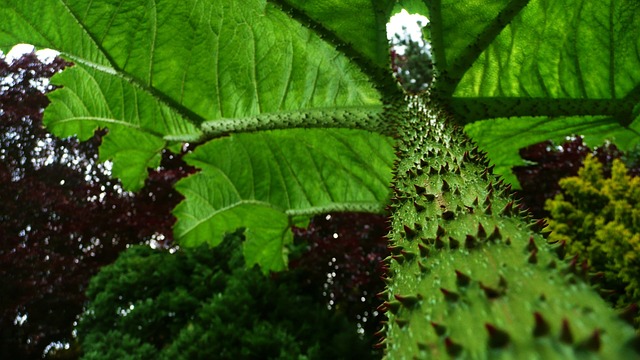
(154, 72)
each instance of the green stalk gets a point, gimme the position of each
(354, 117)
(471, 275)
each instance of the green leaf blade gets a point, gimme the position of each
(291, 173)
(556, 68)
(165, 67)
(132, 153)
(91, 99)
(346, 19)
(561, 49)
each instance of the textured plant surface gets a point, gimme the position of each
(204, 304)
(469, 275)
(298, 115)
(599, 220)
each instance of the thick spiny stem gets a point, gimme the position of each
(473, 277)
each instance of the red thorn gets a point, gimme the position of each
(490, 292)
(482, 234)
(450, 295)
(424, 251)
(408, 255)
(495, 235)
(538, 225)
(448, 215)
(462, 279)
(453, 349)
(439, 329)
(593, 342)
(421, 266)
(541, 328)
(470, 242)
(445, 185)
(410, 233)
(533, 257)
(497, 338)
(508, 209)
(408, 300)
(565, 332)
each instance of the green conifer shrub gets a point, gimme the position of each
(599, 220)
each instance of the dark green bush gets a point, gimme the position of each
(204, 304)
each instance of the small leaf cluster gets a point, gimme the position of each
(598, 218)
(202, 303)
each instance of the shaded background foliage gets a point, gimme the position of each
(203, 303)
(411, 62)
(61, 216)
(342, 264)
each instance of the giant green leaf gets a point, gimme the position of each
(264, 180)
(562, 49)
(571, 63)
(336, 17)
(165, 67)
(153, 71)
(502, 138)
(92, 98)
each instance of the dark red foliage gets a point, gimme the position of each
(540, 181)
(61, 217)
(343, 263)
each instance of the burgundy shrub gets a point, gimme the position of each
(343, 263)
(61, 216)
(551, 163)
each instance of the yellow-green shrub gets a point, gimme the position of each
(599, 219)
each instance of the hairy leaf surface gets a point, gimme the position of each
(153, 71)
(571, 63)
(284, 174)
(164, 67)
(346, 19)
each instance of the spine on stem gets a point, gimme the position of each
(471, 274)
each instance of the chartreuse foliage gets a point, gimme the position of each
(599, 220)
(513, 71)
